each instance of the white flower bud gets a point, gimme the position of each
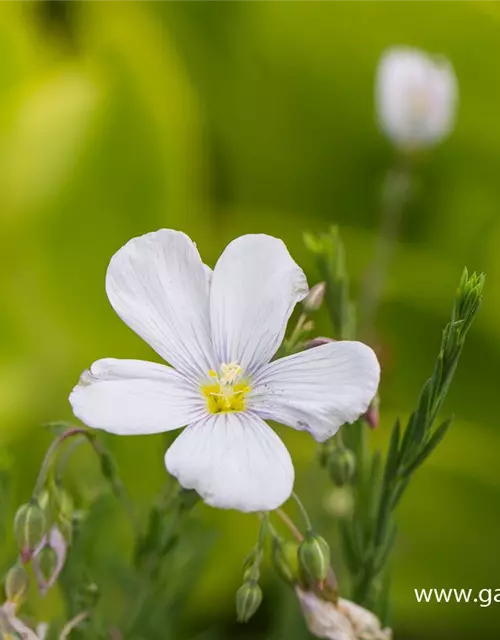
(416, 97)
(314, 299)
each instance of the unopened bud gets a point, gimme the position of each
(371, 416)
(29, 528)
(341, 466)
(90, 595)
(285, 560)
(317, 342)
(248, 599)
(314, 557)
(17, 583)
(47, 561)
(314, 299)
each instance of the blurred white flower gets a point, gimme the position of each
(344, 621)
(416, 97)
(219, 330)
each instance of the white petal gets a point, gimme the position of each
(255, 287)
(159, 286)
(234, 461)
(131, 397)
(317, 390)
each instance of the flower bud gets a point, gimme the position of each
(29, 528)
(371, 415)
(314, 557)
(47, 561)
(416, 97)
(248, 599)
(317, 342)
(17, 583)
(341, 466)
(285, 560)
(314, 299)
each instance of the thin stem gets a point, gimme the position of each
(96, 447)
(263, 529)
(64, 457)
(395, 198)
(290, 524)
(302, 511)
(42, 475)
(72, 624)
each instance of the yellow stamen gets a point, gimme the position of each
(227, 392)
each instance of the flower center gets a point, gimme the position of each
(226, 391)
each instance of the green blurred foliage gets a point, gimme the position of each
(118, 118)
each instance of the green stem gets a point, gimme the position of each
(395, 199)
(263, 529)
(42, 475)
(303, 511)
(285, 518)
(98, 450)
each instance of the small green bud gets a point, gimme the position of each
(90, 595)
(17, 583)
(251, 573)
(47, 561)
(314, 299)
(29, 528)
(188, 498)
(341, 466)
(248, 599)
(285, 560)
(314, 557)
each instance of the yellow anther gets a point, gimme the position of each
(230, 372)
(227, 392)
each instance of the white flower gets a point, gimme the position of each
(219, 330)
(416, 97)
(344, 621)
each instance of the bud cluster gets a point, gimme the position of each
(249, 595)
(42, 529)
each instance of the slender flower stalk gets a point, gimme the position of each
(396, 194)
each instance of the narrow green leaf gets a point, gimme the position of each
(352, 557)
(391, 464)
(385, 548)
(429, 447)
(422, 413)
(398, 492)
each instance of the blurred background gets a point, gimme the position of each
(119, 118)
